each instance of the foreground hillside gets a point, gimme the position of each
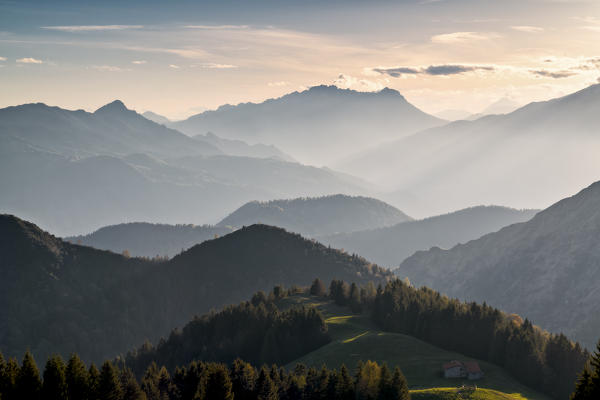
(58, 297)
(318, 216)
(546, 269)
(356, 337)
(389, 246)
(141, 239)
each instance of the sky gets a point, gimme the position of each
(178, 58)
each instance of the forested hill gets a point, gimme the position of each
(318, 215)
(546, 269)
(142, 239)
(58, 297)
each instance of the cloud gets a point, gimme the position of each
(29, 60)
(527, 28)
(344, 81)
(109, 68)
(138, 62)
(2, 58)
(433, 70)
(216, 27)
(552, 74)
(461, 37)
(278, 84)
(174, 66)
(91, 28)
(215, 66)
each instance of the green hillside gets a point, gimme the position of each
(354, 338)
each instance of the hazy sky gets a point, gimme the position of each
(180, 57)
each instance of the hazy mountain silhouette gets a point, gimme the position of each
(73, 171)
(546, 269)
(154, 117)
(110, 130)
(317, 125)
(142, 239)
(529, 158)
(318, 216)
(241, 148)
(389, 246)
(60, 297)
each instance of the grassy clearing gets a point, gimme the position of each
(454, 394)
(356, 338)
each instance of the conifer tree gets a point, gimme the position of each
(243, 376)
(218, 383)
(595, 379)
(130, 386)
(400, 386)
(386, 388)
(345, 385)
(77, 378)
(55, 380)
(8, 379)
(265, 388)
(93, 383)
(109, 386)
(583, 388)
(29, 383)
(318, 288)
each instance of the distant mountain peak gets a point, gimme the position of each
(113, 107)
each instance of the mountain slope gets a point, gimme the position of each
(389, 246)
(60, 297)
(317, 125)
(318, 216)
(110, 130)
(241, 148)
(142, 239)
(546, 269)
(529, 158)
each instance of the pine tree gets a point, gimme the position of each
(77, 378)
(595, 379)
(131, 388)
(109, 386)
(345, 385)
(93, 383)
(265, 388)
(29, 383)
(218, 384)
(243, 377)
(386, 388)
(400, 386)
(150, 382)
(55, 380)
(318, 288)
(583, 388)
(8, 380)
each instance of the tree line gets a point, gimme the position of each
(547, 362)
(197, 380)
(256, 331)
(588, 385)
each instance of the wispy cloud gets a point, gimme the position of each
(462, 37)
(553, 74)
(527, 28)
(138, 62)
(91, 28)
(434, 70)
(278, 84)
(217, 27)
(215, 66)
(2, 58)
(174, 66)
(29, 60)
(350, 82)
(109, 68)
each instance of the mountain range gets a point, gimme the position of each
(529, 158)
(389, 246)
(545, 269)
(73, 171)
(317, 125)
(59, 297)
